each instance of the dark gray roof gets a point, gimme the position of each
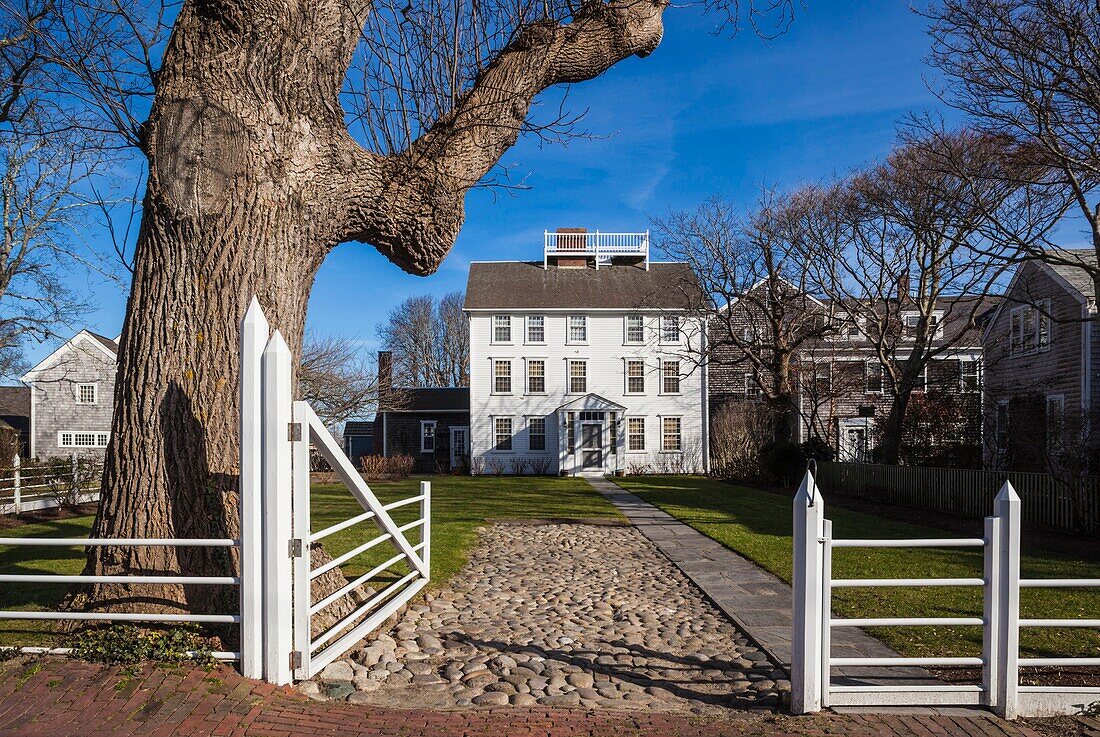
(355, 427)
(107, 342)
(1078, 277)
(526, 285)
(448, 399)
(15, 401)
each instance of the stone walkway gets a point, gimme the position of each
(66, 698)
(757, 601)
(561, 615)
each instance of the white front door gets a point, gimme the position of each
(854, 442)
(460, 446)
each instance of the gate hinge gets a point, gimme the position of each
(294, 431)
(296, 547)
(295, 659)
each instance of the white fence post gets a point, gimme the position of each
(426, 528)
(826, 609)
(1007, 518)
(277, 510)
(991, 613)
(809, 515)
(300, 543)
(16, 482)
(254, 335)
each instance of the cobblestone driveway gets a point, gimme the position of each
(562, 615)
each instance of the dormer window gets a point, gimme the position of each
(911, 321)
(502, 328)
(578, 329)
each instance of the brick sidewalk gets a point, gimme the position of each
(65, 698)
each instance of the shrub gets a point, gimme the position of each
(496, 466)
(126, 644)
(540, 466)
(399, 467)
(520, 466)
(373, 467)
(477, 465)
(638, 469)
(739, 431)
(783, 460)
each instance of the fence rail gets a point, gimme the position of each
(1067, 505)
(27, 486)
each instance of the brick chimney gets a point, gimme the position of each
(385, 377)
(574, 243)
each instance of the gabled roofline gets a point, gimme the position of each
(1006, 299)
(731, 303)
(66, 347)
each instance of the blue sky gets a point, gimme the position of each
(703, 115)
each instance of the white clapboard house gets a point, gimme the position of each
(587, 361)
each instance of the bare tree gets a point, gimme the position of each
(429, 341)
(1025, 72)
(902, 248)
(337, 378)
(758, 304)
(253, 177)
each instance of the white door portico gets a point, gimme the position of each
(590, 436)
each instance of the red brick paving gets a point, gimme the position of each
(66, 698)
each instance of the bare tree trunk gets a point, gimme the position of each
(253, 179)
(891, 429)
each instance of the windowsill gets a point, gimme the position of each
(572, 342)
(534, 342)
(634, 394)
(670, 394)
(534, 394)
(672, 452)
(501, 394)
(634, 344)
(637, 452)
(496, 343)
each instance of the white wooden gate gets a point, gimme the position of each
(276, 436)
(812, 686)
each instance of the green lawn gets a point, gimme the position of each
(459, 506)
(757, 524)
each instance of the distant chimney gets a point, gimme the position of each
(572, 243)
(385, 376)
(903, 288)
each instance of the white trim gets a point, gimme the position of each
(527, 375)
(542, 419)
(102, 439)
(627, 360)
(569, 330)
(661, 427)
(569, 361)
(493, 331)
(645, 432)
(527, 330)
(661, 340)
(423, 435)
(95, 392)
(661, 378)
(493, 377)
(626, 329)
(71, 344)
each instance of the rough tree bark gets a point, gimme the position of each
(253, 179)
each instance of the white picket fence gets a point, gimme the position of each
(26, 487)
(812, 663)
(276, 610)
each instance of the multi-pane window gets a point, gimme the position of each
(671, 440)
(427, 436)
(536, 329)
(911, 321)
(635, 433)
(578, 377)
(970, 375)
(502, 328)
(752, 386)
(846, 326)
(536, 433)
(670, 328)
(536, 376)
(578, 329)
(635, 377)
(1029, 327)
(502, 426)
(823, 378)
(502, 376)
(670, 377)
(921, 384)
(570, 433)
(873, 377)
(70, 439)
(635, 329)
(86, 393)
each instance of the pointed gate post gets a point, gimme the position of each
(254, 333)
(277, 510)
(1006, 513)
(806, 637)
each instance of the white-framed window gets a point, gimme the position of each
(578, 329)
(1055, 416)
(87, 393)
(970, 374)
(752, 386)
(1029, 328)
(872, 377)
(536, 376)
(502, 376)
(911, 320)
(536, 328)
(502, 430)
(82, 439)
(846, 326)
(427, 436)
(635, 329)
(502, 328)
(670, 377)
(671, 438)
(635, 376)
(823, 378)
(635, 433)
(578, 376)
(670, 328)
(921, 384)
(536, 433)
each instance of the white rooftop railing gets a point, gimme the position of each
(602, 246)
